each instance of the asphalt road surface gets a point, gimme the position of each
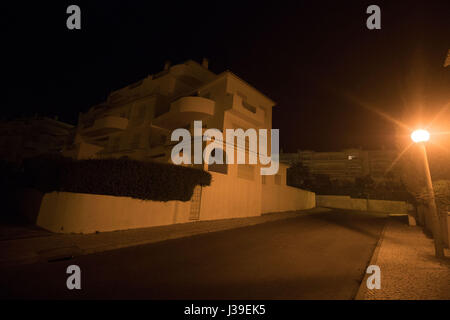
(321, 256)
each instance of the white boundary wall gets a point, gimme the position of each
(279, 198)
(345, 202)
(229, 196)
(66, 212)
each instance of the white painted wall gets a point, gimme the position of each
(346, 202)
(280, 198)
(231, 197)
(67, 212)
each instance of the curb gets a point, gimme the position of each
(363, 290)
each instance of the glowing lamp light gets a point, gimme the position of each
(420, 136)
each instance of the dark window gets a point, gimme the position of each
(248, 107)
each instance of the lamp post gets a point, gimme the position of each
(420, 137)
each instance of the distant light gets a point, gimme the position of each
(420, 136)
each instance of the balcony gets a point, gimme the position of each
(106, 125)
(184, 111)
(243, 109)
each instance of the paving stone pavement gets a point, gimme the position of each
(409, 269)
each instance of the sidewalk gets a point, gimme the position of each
(409, 269)
(63, 246)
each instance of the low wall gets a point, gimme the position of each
(230, 197)
(346, 202)
(279, 198)
(387, 206)
(67, 212)
(227, 197)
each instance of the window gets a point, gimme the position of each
(245, 104)
(249, 107)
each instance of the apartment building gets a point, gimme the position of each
(347, 164)
(137, 122)
(29, 137)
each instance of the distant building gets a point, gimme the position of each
(25, 138)
(347, 164)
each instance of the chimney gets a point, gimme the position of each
(167, 65)
(205, 63)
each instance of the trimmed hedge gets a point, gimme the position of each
(116, 177)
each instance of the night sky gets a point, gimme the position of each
(316, 59)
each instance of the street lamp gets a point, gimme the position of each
(420, 137)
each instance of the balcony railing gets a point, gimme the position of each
(106, 125)
(185, 110)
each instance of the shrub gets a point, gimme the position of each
(116, 177)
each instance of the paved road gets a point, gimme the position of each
(320, 256)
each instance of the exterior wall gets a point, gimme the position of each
(276, 196)
(279, 198)
(341, 202)
(66, 212)
(231, 197)
(345, 202)
(387, 206)
(228, 197)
